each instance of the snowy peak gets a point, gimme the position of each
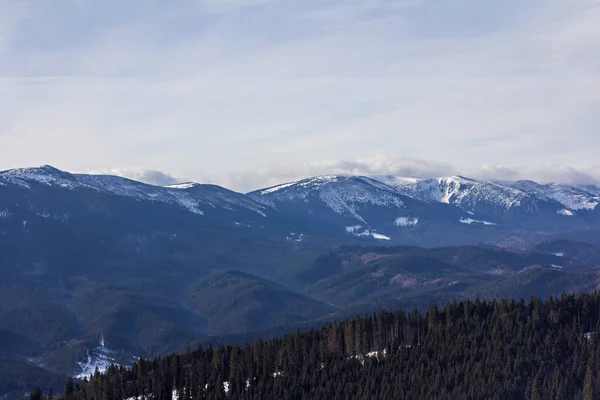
(344, 195)
(572, 197)
(46, 175)
(194, 197)
(305, 184)
(442, 190)
(452, 188)
(371, 202)
(469, 194)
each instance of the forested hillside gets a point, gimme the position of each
(502, 349)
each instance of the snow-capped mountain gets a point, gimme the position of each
(356, 206)
(389, 208)
(343, 195)
(503, 199)
(571, 197)
(361, 207)
(194, 197)
(469, 194)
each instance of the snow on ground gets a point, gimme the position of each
(226, 385)
(561, 254)
(277, 188)
(355, 230)
(44, 175)
(295, 237)
(5, 214)
(99, 358)
(565, 212)
(374, 354)
(343, 195)
(379, 236)
(192, 200)
(186, 185)
(406, 221)
(470, 221)
(556, 266)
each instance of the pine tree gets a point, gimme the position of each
(590, 391)
(36, 394)
(485, 350)
(69, 389)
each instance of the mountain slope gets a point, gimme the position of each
(571, 197)
(362, 207)
(466, 193)
(237, 302)
(345, 196)
(194, 197)
(522, 205)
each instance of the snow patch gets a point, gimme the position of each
(99, 358)
(561, 254)
(556, 266)
(470, 221)
(373, 354)
(565, 212)
(186, 185)
(353, 229)
(379, 236)
(295, 237)
(406, 221)
(5, 214)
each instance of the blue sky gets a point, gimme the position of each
(247, 93)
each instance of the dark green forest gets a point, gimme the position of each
(500, 349)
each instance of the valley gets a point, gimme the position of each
(156, 269)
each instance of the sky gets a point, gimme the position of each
(250, 93)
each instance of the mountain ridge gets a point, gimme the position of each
(380, 208)
(445, 189)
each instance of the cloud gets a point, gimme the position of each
(542, 173)
(204, 90)
(152, 177)
(276, 174)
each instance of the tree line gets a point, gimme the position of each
(500, 349)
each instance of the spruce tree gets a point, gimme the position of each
(36, 394)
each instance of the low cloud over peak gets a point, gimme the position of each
(150, 176)
(275, 174)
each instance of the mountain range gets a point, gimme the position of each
(152, 269)
(384, 208)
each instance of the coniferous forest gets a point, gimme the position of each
(502, 349)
